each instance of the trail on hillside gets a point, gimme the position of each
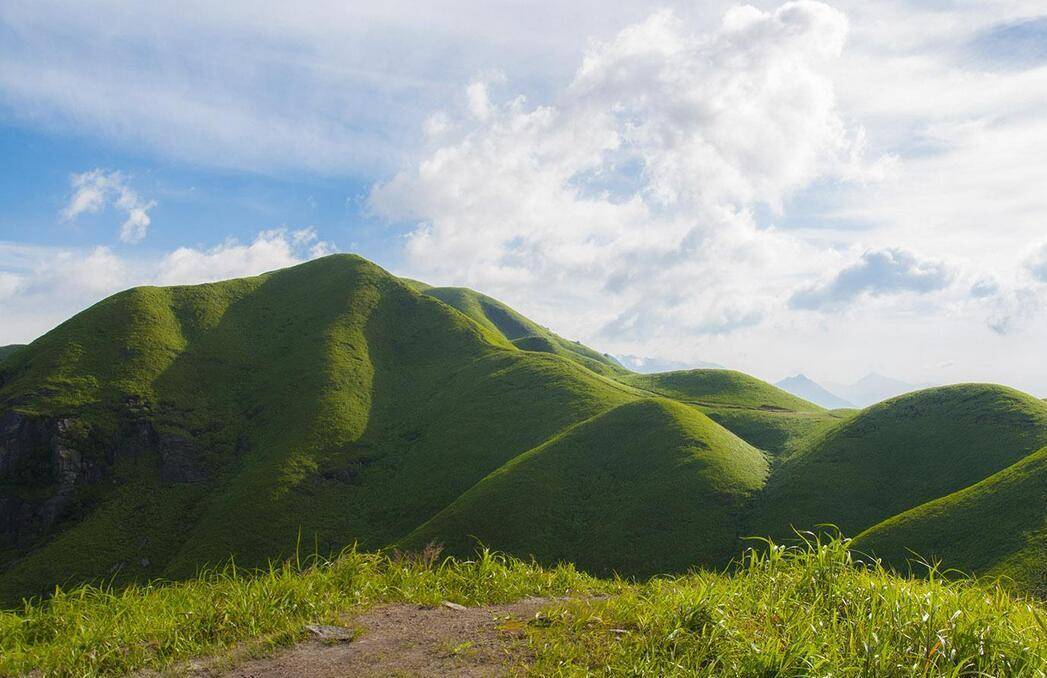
(409, 640)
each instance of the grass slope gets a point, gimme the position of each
(9, 350)
(781, 434)
(328, 400)
(997, 527)
(524, 333)
(763, 415)
(334, 403)
(720, 388)
(788, 612)
(650, 486)
(899, 454)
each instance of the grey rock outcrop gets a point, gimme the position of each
(43, 454)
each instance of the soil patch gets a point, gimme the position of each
(408, 640)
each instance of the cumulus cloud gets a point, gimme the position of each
(44, 285)
(984, 287)
(97, 188)
(269, 250)
(10, 284)
(1014, 310)
(1018, 43)
(1016, 305)
(876, 273)
(324, 85)
(1037, 263)
(632, 192)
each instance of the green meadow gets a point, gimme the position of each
(164, 432)
(807, 609)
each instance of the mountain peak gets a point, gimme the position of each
(803, 386)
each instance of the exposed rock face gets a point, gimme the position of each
(43, 453)
(178, 455)
(19, 435)
(45, 458)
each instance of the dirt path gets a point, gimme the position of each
(408, 640)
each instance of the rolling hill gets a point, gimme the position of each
(995, 527)
(649, 486)
(525, 334)
(720, 388)
(899, 454)
(8, 350)
(168, 427)
(333, 403)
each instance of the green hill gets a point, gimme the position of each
(650, 486)
(721, 388)
(524, 333)
(899, 454)
(997, 527)
(332, 403)
(8, 350)
(780, 434)
(761, 414)
(328, 400)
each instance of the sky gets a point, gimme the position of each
(828, 188)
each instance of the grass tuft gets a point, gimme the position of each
(804, 609)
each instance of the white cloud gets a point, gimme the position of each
(10, 284)
(1037, 263)
(618, 205)
(436, 125)
(877, 273)
(269, 250)
(623, 209)
(1014, 310)
(88, 196)
(984, 287)
(323, 85)
(43, 286)
(478, 95)
(94, 189)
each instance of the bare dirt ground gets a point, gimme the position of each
(408, 640)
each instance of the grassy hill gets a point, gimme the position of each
(328, 400)
(996, 527)
(650, 486)
(8, 350)
(522, 332)
(763, 415)
(332, 403)
(720, 388)
(899, 454)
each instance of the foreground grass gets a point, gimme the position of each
(796, 611)
(94, 631)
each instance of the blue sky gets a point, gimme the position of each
(829, 188)
(196, 205)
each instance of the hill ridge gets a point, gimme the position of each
(169, 427)
(526, 503)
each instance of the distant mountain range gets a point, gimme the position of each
(869, 390)
(800, 385)
(872, 388)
